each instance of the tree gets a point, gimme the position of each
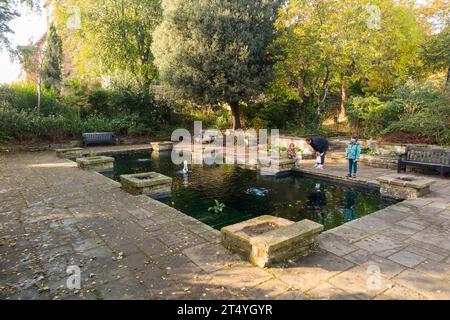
(32, 60)
(437, 52)
(51, 71)
(114, 39)
(214, 51)
(435, 17)
(8, 12)
(325, 46)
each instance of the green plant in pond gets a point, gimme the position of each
(217, 208)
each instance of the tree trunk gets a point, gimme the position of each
(301, 88)
(39, 94)
(236, 115)
(448, 76)
(343, 113)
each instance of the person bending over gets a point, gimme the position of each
(320, 145)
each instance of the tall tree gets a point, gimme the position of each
(435, 15)
(114, 38)
(52, 74)
(325, 46)
(215, 51)
(437, 52)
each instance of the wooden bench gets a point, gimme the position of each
(438, 159)
(99, 138)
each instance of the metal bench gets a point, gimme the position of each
(99, 138)
(438, 159)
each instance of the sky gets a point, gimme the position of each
(29, 27)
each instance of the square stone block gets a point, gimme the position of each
(98, 163)
(267, 240)
(404, 187)
(162, 146)
(152, 184)
(69, 153)
(276, 166)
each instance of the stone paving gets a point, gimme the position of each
(53, 215)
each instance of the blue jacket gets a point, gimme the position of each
(354, 150)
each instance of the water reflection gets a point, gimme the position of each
(350, 201)
(291, 197)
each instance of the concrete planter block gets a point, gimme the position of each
(267, 240)
(162, 146)
(69, 153)
(278, 166)
(98, 163)
(152, 184)
(404, 187)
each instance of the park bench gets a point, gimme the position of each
(423, 157)
(99, 138)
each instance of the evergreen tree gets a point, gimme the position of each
(215, 51)
(51, 73)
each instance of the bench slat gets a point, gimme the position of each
(425, 157)
(99, 138)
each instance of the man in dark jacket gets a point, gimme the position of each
(320, 146)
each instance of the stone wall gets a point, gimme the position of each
(385, 162)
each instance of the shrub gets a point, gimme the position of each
(275, 114)
(416, 107)
(24, 97)
(370, 115)
(94, 100)
(23, 126)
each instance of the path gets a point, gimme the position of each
(53, 215)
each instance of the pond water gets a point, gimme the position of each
(246, 194)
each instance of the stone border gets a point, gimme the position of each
(153, 184)
(96, 163)
(405, 187)
(329, 177)
(266, 240)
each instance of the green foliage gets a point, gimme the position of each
(370, 115)
(436, 52)
(115, 38)
(109, 103)
(425, 111)
(322, 45)
(279, 114)
(53, 60)
(27, 126)
(217, 208)
(416, 107)
(24, 96)
(215, 51)
(83, 108)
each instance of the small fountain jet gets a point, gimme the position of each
(186, 168)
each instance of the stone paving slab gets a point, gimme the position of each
(53, 215)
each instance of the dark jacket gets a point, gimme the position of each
(320, 144)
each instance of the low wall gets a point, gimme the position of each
(385, 162)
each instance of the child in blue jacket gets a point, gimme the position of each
(353, 155)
